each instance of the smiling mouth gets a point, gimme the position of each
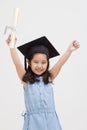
(39, 70)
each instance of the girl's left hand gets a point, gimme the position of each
(74, 45)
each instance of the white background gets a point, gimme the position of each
(61, 21)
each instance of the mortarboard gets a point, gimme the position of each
(39, 45)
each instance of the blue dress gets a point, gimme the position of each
(40, 109)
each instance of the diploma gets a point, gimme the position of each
(13, 33)
(16, 15)
(13, 27)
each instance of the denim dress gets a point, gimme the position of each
(40, 109)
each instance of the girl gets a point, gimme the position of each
(37, 80)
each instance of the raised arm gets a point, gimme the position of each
(57, 67)
(15, 58)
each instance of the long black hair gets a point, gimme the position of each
(32, 77)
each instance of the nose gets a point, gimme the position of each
(39, 65)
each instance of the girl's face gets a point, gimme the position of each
(39, 63)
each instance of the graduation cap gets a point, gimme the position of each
(40, 45)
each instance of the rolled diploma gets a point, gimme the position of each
(13, 33)
(16, 17)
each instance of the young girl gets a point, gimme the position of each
(37, 80)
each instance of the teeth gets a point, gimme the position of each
(39, 70)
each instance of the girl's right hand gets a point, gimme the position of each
(8, 41)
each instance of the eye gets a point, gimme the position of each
(44, 62)
(35, 61)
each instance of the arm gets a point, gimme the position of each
(57, 67)
(18, 65)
